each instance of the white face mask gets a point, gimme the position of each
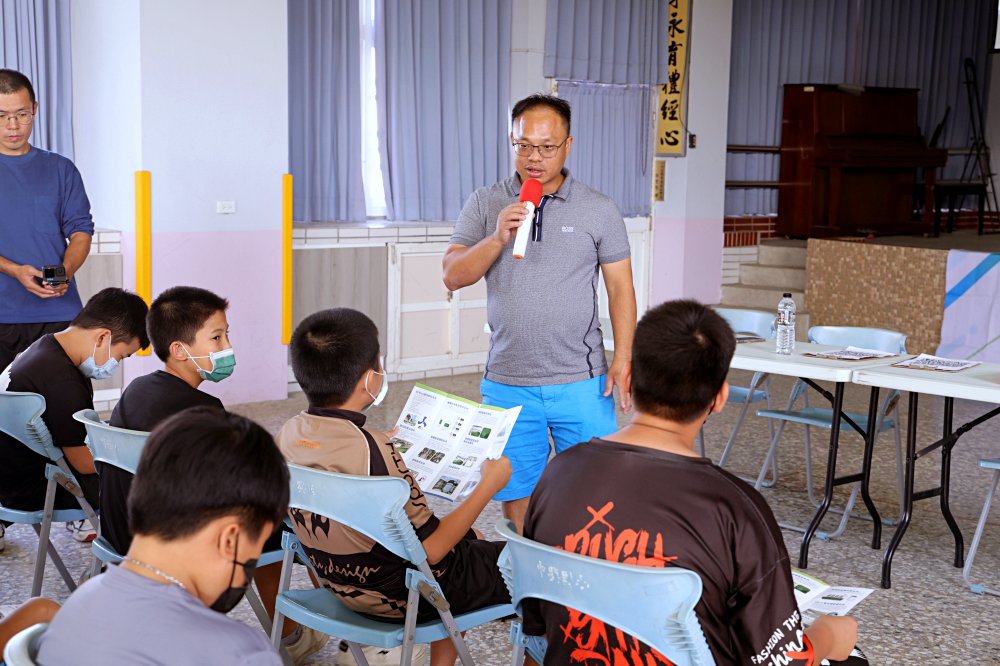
(377, 399)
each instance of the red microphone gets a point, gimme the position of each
(531, 194)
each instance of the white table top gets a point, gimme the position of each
(980, 383)
(760, 357)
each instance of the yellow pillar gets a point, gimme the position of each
(286, 258)
(143, 241)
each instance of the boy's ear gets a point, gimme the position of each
(720, 399)
(176, 351)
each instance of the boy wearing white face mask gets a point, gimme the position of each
(60, 366)
(336, 361)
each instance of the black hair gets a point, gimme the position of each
(178, 314)
(680, 359)
(12, 80)
(331, 350)
(204, 463)
(558, 105)
(123, 312)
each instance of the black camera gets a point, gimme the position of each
(54, 275)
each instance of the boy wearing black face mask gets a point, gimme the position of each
(208, 492)
(60, 367)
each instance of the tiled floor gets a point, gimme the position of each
(927, 616)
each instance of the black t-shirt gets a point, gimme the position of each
(642, 506)
(146, 402)
(44, 368)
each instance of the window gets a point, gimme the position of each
(371, 161)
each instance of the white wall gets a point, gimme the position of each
(687, 225)
(527, 49)
(107, 108)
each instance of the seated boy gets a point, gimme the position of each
(597, 500)
(60, 367)
(186, 325)
(335, 358)
(208, 492)
(190, 334)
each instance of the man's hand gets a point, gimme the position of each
(509, 219)
(26, 275)
(620, 375)
(495, 474)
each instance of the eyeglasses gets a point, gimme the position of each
(19, 117)
(548, 150)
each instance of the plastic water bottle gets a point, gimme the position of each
(785, 325)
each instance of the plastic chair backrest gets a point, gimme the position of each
(655, 606)
(373, 506)
(22, 648)
(757, 322)
(115, 446)
(21, 418)
(879, 339)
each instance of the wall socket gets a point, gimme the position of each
(692, 140)
(225, 207)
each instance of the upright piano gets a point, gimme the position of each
(849, 162)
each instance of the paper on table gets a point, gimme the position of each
(851, 354)
(929, 362)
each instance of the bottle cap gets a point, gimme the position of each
(787, 294)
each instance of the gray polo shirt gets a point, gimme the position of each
(543, 308)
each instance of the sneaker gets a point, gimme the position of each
(309, 642)
(82, 530)
(377, 656)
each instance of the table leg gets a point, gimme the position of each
(831, 475)
(866, 469)
(949, 413)
(907, 508)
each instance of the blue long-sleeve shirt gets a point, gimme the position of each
(42, 203)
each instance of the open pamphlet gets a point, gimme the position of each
(852, 354)
(445, 438)
(928, 362)
(816, 598)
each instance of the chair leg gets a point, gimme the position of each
(359, 655)
(900, 482)
(409, 626)
(43, 539)
(967, 571)
(771, 455)
(283, 582)
(257, 606)
(517, 640)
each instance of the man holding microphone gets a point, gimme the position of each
(546, 348)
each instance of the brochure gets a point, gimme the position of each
(928, 362)
(852, 354)
(817, 598)
(445, 438)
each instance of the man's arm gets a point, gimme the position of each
(80, 459)
(621, 304)
(26, 274)
(76, 252)
(464, 265)
(454, 526)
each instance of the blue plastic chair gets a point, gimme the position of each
(22, 648)
(122, 448)
(374, 506)
(994, 464)
(21, 418)
(761, 324)
(822, 417)
(655, 606)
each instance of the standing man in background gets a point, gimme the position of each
(44, 221)
(546, 348)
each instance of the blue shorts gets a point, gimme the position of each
(573, 413)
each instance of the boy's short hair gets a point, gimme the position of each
(178, 314)
(12, 80)
(331, 350)
(120, 311)
(204, 463)
(680, 359)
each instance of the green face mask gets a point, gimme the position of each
(223, 364)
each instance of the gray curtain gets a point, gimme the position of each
(35, 40)
(324, 114)
(897, 43)
(607, 41)
(610, 153)
(443, 81)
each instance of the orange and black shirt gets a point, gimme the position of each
(642, 506)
